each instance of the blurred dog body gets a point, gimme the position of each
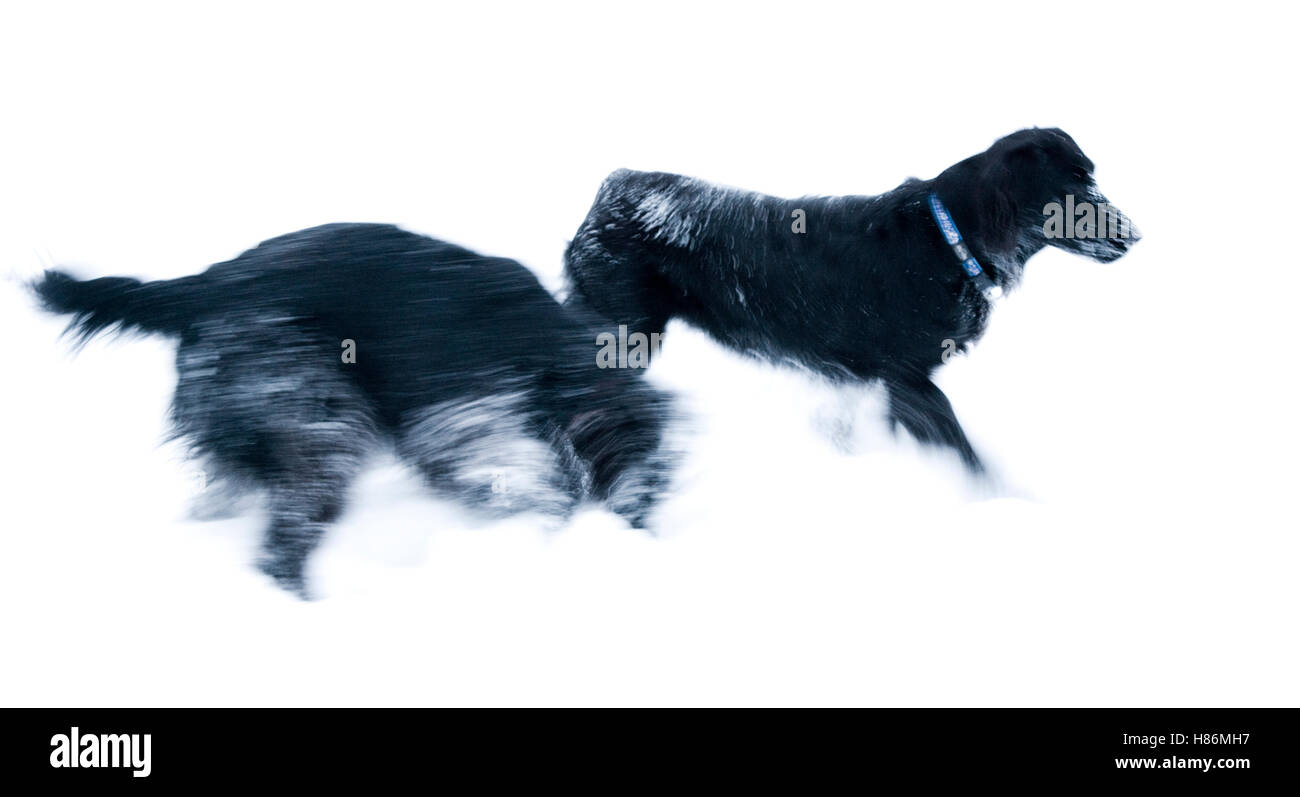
(300, 357)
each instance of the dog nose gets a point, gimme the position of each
(1116, 225)
(1113, 223)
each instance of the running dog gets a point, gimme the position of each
(856, 288)
(301, 356)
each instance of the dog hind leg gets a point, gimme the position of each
(313, 470)
(268, 404)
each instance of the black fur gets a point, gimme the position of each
(871, 291)
(465, 365)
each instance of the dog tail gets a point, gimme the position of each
(165, 307)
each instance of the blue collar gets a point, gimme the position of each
(964, 256)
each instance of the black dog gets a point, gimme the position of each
(300, 356)
(855, 288)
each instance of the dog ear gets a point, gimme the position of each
(1007, 179)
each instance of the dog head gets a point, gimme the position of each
(1045, 191)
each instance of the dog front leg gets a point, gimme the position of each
(925, 412)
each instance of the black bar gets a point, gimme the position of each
(625, 747)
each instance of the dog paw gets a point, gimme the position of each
(288, 575)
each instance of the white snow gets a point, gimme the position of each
(1141, 549)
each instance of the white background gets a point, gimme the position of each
(1141, 549)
